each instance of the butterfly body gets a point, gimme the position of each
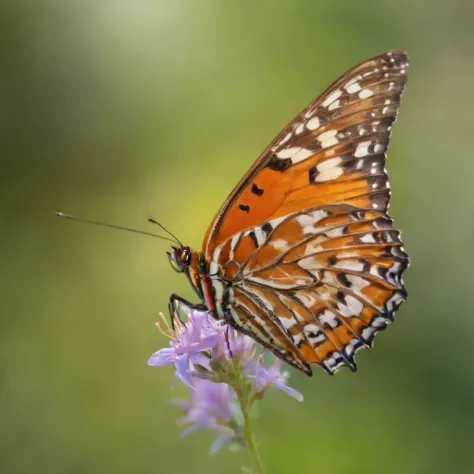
(302, 256)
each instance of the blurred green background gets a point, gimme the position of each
(123, 110)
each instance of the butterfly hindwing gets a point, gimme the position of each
(331, 278)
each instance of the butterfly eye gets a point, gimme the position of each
(185, 256)
(177, 265)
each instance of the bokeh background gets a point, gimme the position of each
(122, 110)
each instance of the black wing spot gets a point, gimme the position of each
(256, 190)
(366, 264)
(313, 174)
(382, 272)
(332, 260)
(388, 251)
(342, 279)
(244, 207)
(279, 164)
(341, 297)
(267, 228)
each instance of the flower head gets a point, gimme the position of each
(188, 345)
(224, 371)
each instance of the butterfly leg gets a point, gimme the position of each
(228, 342)
(225, 303)
(173, 306)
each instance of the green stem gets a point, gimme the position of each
(250, 440)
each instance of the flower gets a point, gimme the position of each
(224, 372)
(265, 378)
(213, 406)
(187, 347)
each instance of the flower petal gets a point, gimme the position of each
(204, 344)
(190, 430)
(200, 359)
(162, 357)
(290, 391)
(220, 442)
(183, 371)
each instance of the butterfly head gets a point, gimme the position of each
(180, 258)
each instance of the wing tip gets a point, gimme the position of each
(395, 52)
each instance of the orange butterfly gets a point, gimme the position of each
(302, 256)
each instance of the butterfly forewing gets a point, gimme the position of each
(305, 239)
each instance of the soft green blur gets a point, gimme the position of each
(123, 110)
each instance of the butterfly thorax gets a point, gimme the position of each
(200, 279)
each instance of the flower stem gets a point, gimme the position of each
(250, 440)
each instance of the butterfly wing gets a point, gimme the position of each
(305, 239)
(331, 276)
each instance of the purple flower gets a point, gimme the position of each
(264, 378)
(203, 339)
(213, 406)
(187, 346)
(224, 371)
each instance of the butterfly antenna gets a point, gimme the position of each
(166, 230)
(87, 221)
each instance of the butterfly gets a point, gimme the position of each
(302, 256)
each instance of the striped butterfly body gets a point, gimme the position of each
(302, 256)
